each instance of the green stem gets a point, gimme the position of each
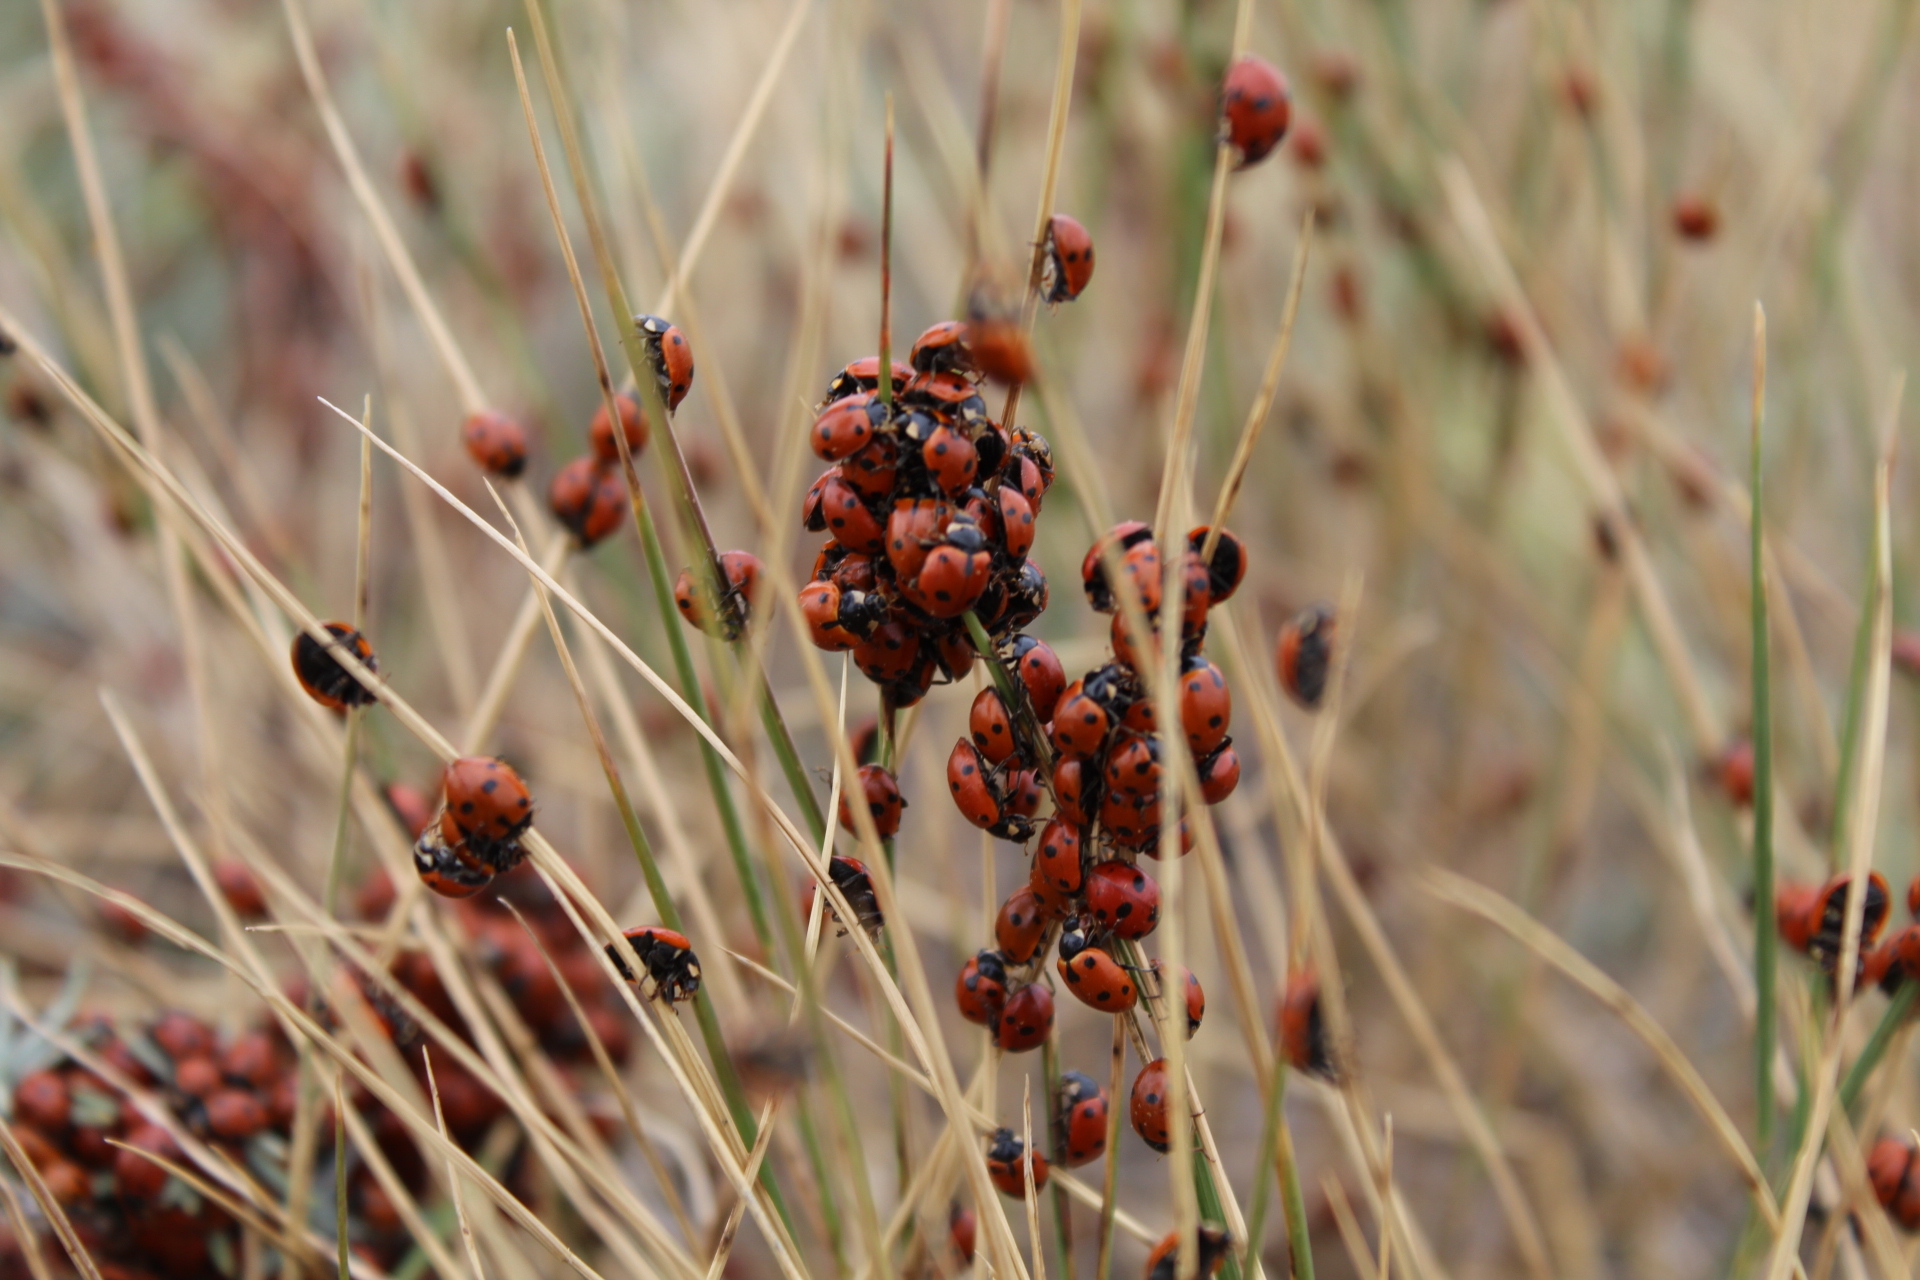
(1057, 1152)
(1765, 936)
(1876, 1047)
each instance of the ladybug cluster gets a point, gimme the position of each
(485, 809)
(91, 1142)
(1811, 919)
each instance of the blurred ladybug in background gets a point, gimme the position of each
(495, 442)
(1895, 1184)
(881, 791)
(1082, 1107)
(998, 343)
(321, 675)
(668, 958)
(1214, 1245)
(1255, 109)
(1304, 1041)
(981, 988)
(633, 424)
(589, 498)
(962, 1229)
(1303, 655)
(942, 349)
(742, 570)
(1068, 265)
(670, 356)
(1025, 1021)
(1008, 1162)
(850, 876)
(1826, 917)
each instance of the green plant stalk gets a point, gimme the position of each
(790, 764)
(1856, 701)
(1292, 1203)
(1057, 1152)
(1897, 1012)
(1765, 936)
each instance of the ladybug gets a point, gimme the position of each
(488, 808)
(1126, 652)
(1094, 976)
(1895, 1182)
(948, 396)
(1137, 712)
(321, 675)
(850, 876)
(1255, 109)
(962, 1229)
(1119, 541)
(1206, 705)
(1082, 1118)
(846, 427)
(1000, 347)
(1076, 790)
(820, 605)
(1732, 772)
(1151, 845)
(833, 505)
(971, 785)
(1227, 567)
(1008, 1164)
(1133, 765)
(1793, 904)
(1021, 925)
(873, 471)
(1026, 600)
(742, 570)
(942, 349)
(1894, 961)
(1122, 899)
(633, 425)
(1023, 473)
(1304, 654)
(1826, 918)
(589, 498)
(449, 870)
(913, 527)
(1082, 719)
(992, 727)
(864, 375)
(1219, 773)
(1214, 1245)
(43, 1100)
(1131, 822)
(239, 887)
(668, 958)
(953, 652)
(1026, 1020)
(1196, 598)
(234, 1115)
(1058, 869)
(1304, 1041)
(1069, 259)
(1147, 1105)
(950, 459)
(884, 802)
(1021, 794)
(1695, 217)
(1196, 998)
(981, 988)
(495, 442)
(889, 654)
(1016, 523)
(955, 573)
(1038, 667)
(670, 356)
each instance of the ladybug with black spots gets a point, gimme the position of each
(1122, 899)
(1303, 655)
(1021, 926)
(670, 357)
(321, 674)
(487, 808)
(1255, 109)
(495, 442)
(1067, 267)
(667, 957)
(742, 570)
(1147, 1106)
(881, 792)
(1093, 976)
(1082, 1108)
(589, 498)
(1026, 1020)
(1008, 1163)
(981, 988)
(847, 426)
(1304, 1041)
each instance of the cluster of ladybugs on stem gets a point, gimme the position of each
(1811, 919)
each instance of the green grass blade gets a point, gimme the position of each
(1765, 937)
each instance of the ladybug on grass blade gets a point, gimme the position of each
(670, 356)
(1164, 1262)
(742, 570)
(881, 791)
(1147, 1106)
(850, 876)
(668, 958)
(488, 808)
(1304, 1041)
(495, 442)
(981, 988)
(1083, 1111)
(589, 498)
(1068, 265)
(321, 675)
(1008, 1162)
(1025, 1021)
(1255, 109)
(942, 349)
(633, 423)
(1303, 655)
(1093, 976)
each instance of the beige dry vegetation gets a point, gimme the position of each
(1511, 439)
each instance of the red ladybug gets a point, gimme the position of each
(450, 870)
(1058, 870)
(1081, 721)
(1082, 1106)
(1130, 821)
(1069, 259)
(1695, 218)
(1194, 996)
(1890, 1168)
(846, 427)
(234, 1115)
(1094, 977)
(820, 605)
(589, 498)
(1076, 790)
(1255, 108)
(136, 1177)
(1025, 1021)
(1219, 773)
(1021, 925)
(992, 727)
(914, 526)
(947, 396)
(488, 808)
(1214, 1245)
(1206, 705)
(240, 888)
(1147, 1106)
(1008, 1163)
(1016, 523)
(1304, 655)
(962, 1229)
(495, 442)
(981, 988)
(1913, 898)
(742, 570)
(1120, 542)
(1133, 765)
(950, 459)
(956, 572)
(882, 793)
(889, 653)
(972, 788)
(1038, 667)
(633, 425)
(321, 675)
(850, 876)
(1122, 899)
(864, 375)
(942, 349)
(668, 958)
(1793, 902)
(1826, 917)
(873, 471)
(1227, 568)
(670, 356)
(835, 506)
(42, 1099)
(1001, 350)
(1304, 1041)
(1021, 795)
